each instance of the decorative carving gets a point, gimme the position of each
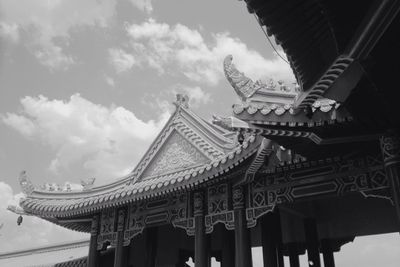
(198, 203)
(94, 230)
(26, 185)
(243, 85)
(363, 175)
(225, 123)
(87, 184)
(390, 146)
(177, 154)
(238, 197)
(107, 233)
(121, 220)
(182, 101)
(186, 224)
(218, 211)
(136, 223)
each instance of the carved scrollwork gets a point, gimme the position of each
(390, 146)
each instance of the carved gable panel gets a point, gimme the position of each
(176, 154)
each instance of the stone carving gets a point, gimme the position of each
(26, 184)
(176, 154)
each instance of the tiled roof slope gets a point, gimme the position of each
(187, 152)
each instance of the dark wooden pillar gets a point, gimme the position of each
(310, 227)
(242, 233)
(119, 257)
(151, 246)
(293, 255)
(228, 249)
(201, 254)
(93, 252)
(390, 146)
(278, 237)
(327, 252)
(268, 240)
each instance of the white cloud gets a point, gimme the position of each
(9, 31)
(121, 60)
(33, 231)
(179, 49)
(109, 80)
(45, 20)
(105, 142)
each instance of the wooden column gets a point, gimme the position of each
(242, 233)
(268, 240)
(119, 257)
(93, 252)
(151, 246)
(327, 252)
(390, 146)
(293, 255)
(278, 237)
(310, 227)
(201, 254)
(228, 249)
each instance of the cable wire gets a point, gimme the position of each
(269, 40)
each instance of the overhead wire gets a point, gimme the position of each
(269, 40)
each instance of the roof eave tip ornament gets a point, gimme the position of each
(26, 185)
(243, 86)
(87, 184)
(225, 123)
(182, 101)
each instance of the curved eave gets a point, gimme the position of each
(64, 205)
(284, 115)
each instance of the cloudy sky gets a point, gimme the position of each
(85, 86)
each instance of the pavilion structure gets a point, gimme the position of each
(294, 170)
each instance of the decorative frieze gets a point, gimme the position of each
(218, 208)
(107, 232)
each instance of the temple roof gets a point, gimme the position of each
(274, 104)
(187, 152)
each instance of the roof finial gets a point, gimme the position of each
(26, 185)
(182, 101)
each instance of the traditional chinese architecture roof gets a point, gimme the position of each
(67, 254)
(270, 110)
(188, 152)
(340, 50)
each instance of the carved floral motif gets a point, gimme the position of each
(178, 153)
